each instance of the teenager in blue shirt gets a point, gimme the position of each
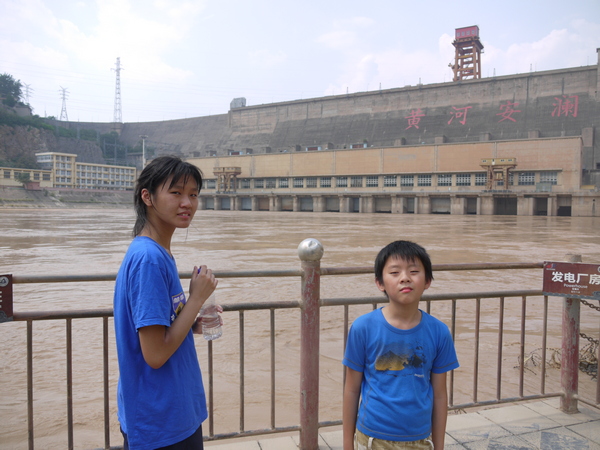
(396, 361)
(161, 400)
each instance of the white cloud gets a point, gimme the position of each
(567, 47)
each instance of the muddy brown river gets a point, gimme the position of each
(71, 241)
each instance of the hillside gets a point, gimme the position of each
(19, 144)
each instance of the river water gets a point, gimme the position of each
(82, 241)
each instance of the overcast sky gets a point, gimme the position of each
(184, 59)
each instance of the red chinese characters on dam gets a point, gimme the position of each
(565, 106)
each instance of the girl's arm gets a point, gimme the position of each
(159, 342)
(350, 406)
(440, 410)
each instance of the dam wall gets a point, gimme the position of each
(547, 104)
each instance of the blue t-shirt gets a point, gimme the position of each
(396, 393)
(156, 407)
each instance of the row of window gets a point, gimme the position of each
(87, 175)
(460, 179)
(34, 177)
(101, 169)
(88, 182)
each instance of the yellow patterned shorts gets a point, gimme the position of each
(364, 442)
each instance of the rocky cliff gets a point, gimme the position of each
(19, 144)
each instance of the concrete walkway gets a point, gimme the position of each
(539, 425)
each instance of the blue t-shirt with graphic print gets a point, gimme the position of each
(156, 407)
(396, 393)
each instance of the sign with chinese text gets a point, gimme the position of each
(574, 280)
(6, 298)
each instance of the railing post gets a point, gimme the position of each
(569, 369)
(310, 252)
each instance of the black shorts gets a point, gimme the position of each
(194, 442)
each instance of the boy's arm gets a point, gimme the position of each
(350, 406)
(440, 410)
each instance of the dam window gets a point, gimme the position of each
(444, 179)
(464, 179)
(356, 182)
(341, 182)
(390, 181)
(325, 182)
(526, 178)
(298, 182)
(407, 180)
(549, 177)
(480, 179)
(424, 180)
(311, 182)
(372, 181)
(284, 182)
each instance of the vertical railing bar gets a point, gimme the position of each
(310, 252)
(598, 372)
(272, 312)
(428, 306)
(105, 381)
(211, 391)
(69, 382)
(500, 336)
(569, 361)
(453, 331)
(30, 383)
(476, 354)
(522, 346)
(544, 343)
(242, 368)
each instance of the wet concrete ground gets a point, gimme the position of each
(538, 425)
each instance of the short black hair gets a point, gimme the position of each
(155, 174)
(406, 250)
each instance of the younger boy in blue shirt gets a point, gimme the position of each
(396, 361)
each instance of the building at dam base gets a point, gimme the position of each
(513, 177)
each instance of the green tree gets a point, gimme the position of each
(10, 90)
(23, 177)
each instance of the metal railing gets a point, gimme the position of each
(310, 305)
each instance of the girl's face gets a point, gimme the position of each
(172, 207)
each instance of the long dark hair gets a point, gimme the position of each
(154, 175)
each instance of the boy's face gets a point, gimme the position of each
(403, 281)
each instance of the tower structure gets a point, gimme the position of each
(467, 55)
(28, 89)
(498, 171)
(63, 111)
(117, 117)
(226, 178)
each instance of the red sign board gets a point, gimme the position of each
(6, 298)
(574, 280)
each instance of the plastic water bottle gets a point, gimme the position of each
(211, 323)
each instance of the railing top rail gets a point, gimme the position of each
(255, 306)
(23, 279)
(434, 297)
